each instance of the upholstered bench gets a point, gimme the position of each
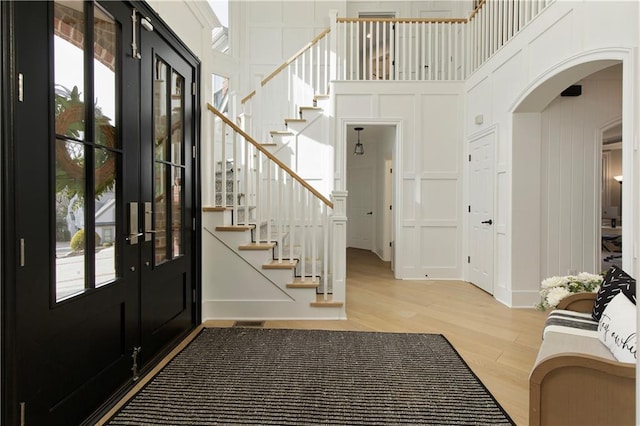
(576, 379)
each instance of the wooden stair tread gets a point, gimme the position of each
(310, 108)
(234, 228)
(329, 303)
(258, 246)
(280, 133)
(295, 120)
(297, 283)
(320, 96)
(214, 209)
(269, 144)
(286, 264)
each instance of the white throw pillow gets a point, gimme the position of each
(617, 328)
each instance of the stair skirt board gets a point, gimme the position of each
(268, 310)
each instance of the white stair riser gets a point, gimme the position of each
(212, 219)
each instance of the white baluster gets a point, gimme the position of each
(209, 155)
(247, 186)
(292, 216)
(269, 212)
(370, 42)
(463, 46)
(279, 212)
(314, 242)
(423, 55)
(303, 195)
(223, 166)
(378, 50)
(258, 189)
(456, 59)
(416, 47)
(234, 176)
(493, 27)
(404, 60)
(449, 52)
(430, 51)
(325, 254)
(352, 49)
(437, 60)
(327, 65)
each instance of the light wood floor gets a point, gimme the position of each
(498, 343)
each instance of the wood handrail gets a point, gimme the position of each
(406, 20)
(269, 155)
(477, 9)
(288, 62)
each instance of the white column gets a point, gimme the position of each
(339, 245)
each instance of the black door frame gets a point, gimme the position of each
(10, 249)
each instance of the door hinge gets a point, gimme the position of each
(469, 208)
(22, 258)
(193, 224)
(146, 23)
(193, 88)
(194, 152)
(390, 244)
(134, 43)
(20, 87)
(23, 412)
(391, 170)
(390, 207)
(468, 259)
(134, 367)
(469, 157)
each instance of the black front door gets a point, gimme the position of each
(167, 296)
(97, 222)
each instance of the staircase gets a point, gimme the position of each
(266, 231)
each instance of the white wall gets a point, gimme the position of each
(571, 173)
(428, 169)
(525, 76)
(270, 32)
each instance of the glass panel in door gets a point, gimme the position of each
(87, 154)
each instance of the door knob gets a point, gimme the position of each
(488, 222)
(370, 213)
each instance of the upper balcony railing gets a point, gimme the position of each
(377, 49)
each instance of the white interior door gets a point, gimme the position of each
(481, 192)
(360, 208)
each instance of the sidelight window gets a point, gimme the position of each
(87, 150)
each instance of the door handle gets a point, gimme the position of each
(133, 224)
(370, 213)
(488, 222)
(148, 225)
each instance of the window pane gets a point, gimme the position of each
(160, 213)
(177, 124)
(104, 78)
(106, 214)
(70, 217)
(69, 68)
(221, 93)
(160, 109)
(176, 211)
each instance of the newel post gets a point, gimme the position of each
(339, 244)
(333, 45)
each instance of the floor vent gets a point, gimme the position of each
(257, 324)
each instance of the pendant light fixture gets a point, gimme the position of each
(359, 150)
